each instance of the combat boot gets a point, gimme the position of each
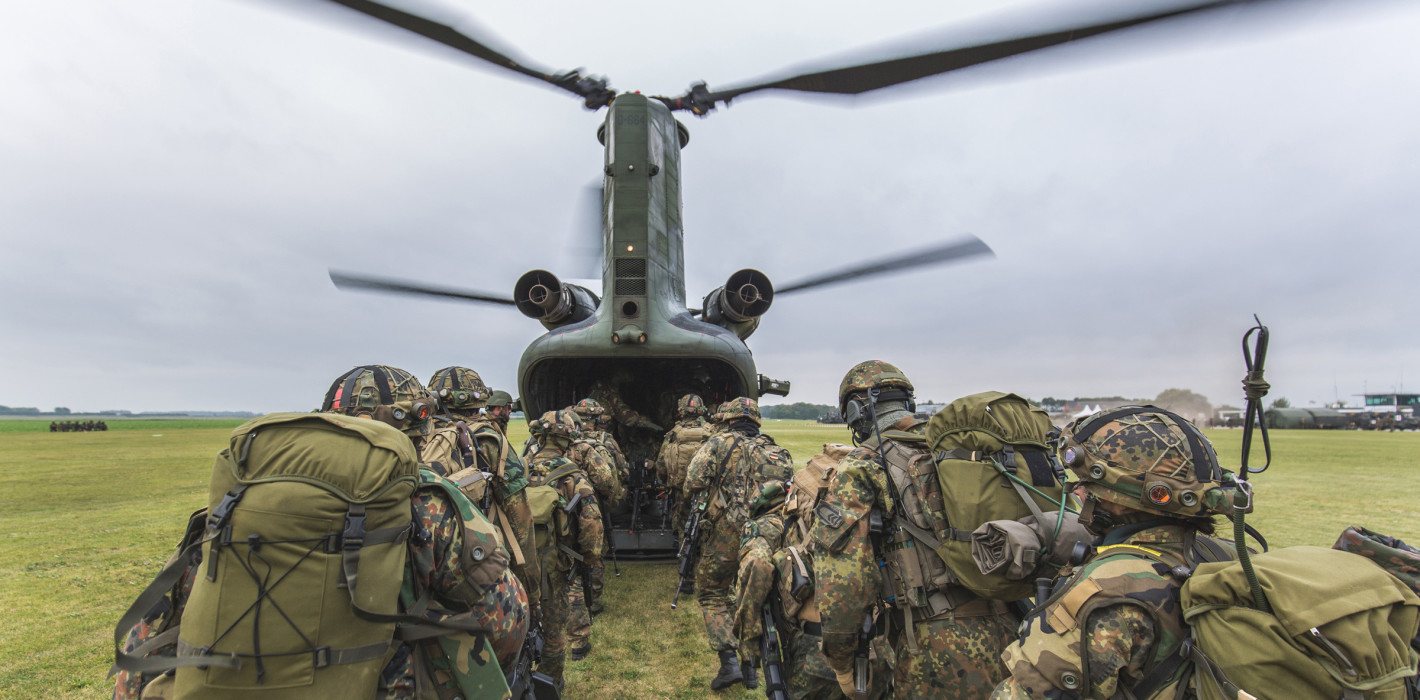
(729, 671)
(581, 652)
(751, 673)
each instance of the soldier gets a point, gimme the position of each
(595, 452)
(954, 653)
(443, 568)
(574, 536)
(607, 393)
(500, 409)
(53, 427)
(475, 454)
(1150, 482)
(678, 448)
(725, 475)
(776, 568)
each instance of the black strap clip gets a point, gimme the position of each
(353, 535)
(320, 656)
(223, 511)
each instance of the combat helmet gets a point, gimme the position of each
(1147, 459)
(742, 408)
(499, 398)
(458, 388)
(556, 425)
(691, 405)
(873, 374)
(384, 393)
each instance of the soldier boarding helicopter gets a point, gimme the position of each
(639, 334)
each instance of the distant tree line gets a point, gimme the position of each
(795, 411)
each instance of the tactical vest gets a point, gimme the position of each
(918, 581)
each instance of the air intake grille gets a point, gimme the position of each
(630, 277)
(626, 287)
(631, 267)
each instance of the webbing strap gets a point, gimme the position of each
(322, 656)
(150, 596)
(560, 472)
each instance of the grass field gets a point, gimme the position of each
(86, 520)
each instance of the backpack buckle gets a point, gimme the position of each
(320, 657)
(353, 535)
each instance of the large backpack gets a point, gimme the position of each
(303, 556)
(993, 465)
(680, 448)
(1339, 628)
(552, 524)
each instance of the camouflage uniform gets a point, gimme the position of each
(736, 463)
(588, 540)
(1119, 601)
(1151, 480)
(461, 392)
(958, 652)
(605, 393)
(690, 431)
(601, 465)
(436, 564)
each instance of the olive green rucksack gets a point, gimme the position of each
(1340, 627)
(302, 561)
(993, 464)
(551, 522)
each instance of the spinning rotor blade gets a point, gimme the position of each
(858, 79)
(968, 247)
(593, 90)
(345, 280)
(586, 252)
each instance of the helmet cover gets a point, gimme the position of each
(458, 387)
(385, 393)
(868, 375)
(1145, 458)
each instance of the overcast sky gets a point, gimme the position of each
(176, 177)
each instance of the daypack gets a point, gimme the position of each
(552, 524)
(1339, 628)
(303, 556)
(752, 462)
(992, 461)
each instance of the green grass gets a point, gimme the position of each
(41, 425)
(86, 520)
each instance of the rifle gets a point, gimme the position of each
(772, 650)
(610, 540)
(579, 564)
(472, 457)
(860, 657)
(689, 548)
(525, 683)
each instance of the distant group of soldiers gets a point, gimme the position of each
(76, 426)
(828, 581)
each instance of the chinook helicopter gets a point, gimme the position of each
(639, 333)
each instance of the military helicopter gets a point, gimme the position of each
(639, 334)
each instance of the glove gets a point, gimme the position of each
(845, 681)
